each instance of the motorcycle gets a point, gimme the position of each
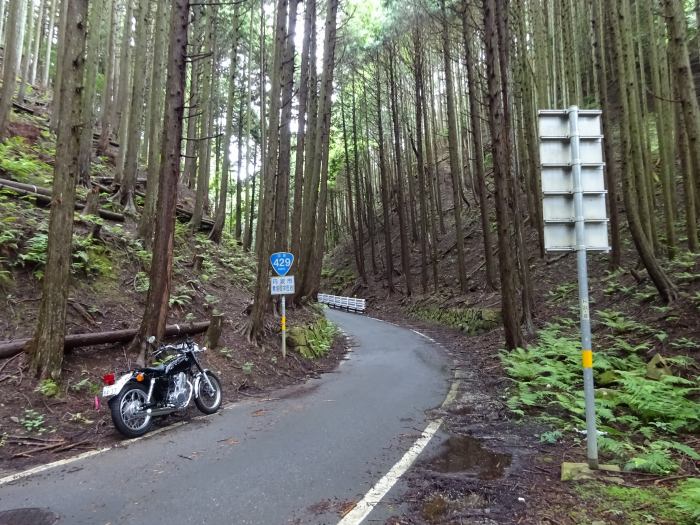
(142, 394)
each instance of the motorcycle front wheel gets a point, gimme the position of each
(208, 399)
(126, 408)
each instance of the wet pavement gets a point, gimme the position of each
(305, 455)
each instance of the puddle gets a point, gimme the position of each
(467, 454)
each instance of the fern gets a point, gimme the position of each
(653, 461)
(663, 400)
(618, 323)
(687, 498)
(548, 378)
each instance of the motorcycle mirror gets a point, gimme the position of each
(151, 339)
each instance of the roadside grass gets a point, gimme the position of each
(469, 320)
(315, 340)
(647, 412)
(636, 505)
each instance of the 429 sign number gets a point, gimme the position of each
(281, 262)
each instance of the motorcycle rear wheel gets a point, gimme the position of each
(206, 399)
(130, 400)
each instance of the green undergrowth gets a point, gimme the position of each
(313, 341)
(679, 505)
(22, 161)
(102, 250)
(336, 280)
(24, 241)
(643, 419)
(469, 320)
(683, 269)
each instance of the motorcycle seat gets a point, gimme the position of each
(154, 370)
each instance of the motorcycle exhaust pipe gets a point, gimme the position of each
(158, 411)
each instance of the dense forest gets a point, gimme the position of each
(357, 110)
(391, 146)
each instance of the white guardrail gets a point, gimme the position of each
(346, 303)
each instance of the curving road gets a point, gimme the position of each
(304, 456)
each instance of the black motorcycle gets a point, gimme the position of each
(138, 396)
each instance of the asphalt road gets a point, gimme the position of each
(302, 456)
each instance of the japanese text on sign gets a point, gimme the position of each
(282, 285)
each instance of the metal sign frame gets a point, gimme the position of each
(575, 217)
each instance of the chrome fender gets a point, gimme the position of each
(198, 382)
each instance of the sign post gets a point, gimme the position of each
(575, 217)
(282, 285)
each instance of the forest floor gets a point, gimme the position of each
(519, 415)
(45, 421)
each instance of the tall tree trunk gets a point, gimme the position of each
(38, 32)
(27, 54)
(60, 51)
(46, 348)
(248, 237)
(304, 87)
(108, 100)
(194, 108)
(124, 90)
(133, 144)
(93, 45)
(369, 193)
(156, 311)
(239, 166)
(155, 106)
(401, 204)
(418, 89)
(666, 288)
(3, 5)
(215, 234)
(358, 192)
(10, 64)
(53, 6)
(680, 64)
(455, 164)
(205, 126)
(321, 144)
(350, 205)
(611, 168)
(267, 201)
(281, 242)
(384, 183)
(475, 118)
(501, 162)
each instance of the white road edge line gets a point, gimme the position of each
(366, 505)
(47, 466)
(62, 462)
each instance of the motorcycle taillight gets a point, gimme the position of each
(108, 379)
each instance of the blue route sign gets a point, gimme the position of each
(281, 262)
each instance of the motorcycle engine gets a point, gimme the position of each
(179, 391)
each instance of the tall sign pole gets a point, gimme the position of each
(575, 217)
(585, 314)
(282, 285)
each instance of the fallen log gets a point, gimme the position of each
(10, 348)
(43, 195)
(97, 136)
(182, 214)
(26, 187)
(22, 108)
(109, 180)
